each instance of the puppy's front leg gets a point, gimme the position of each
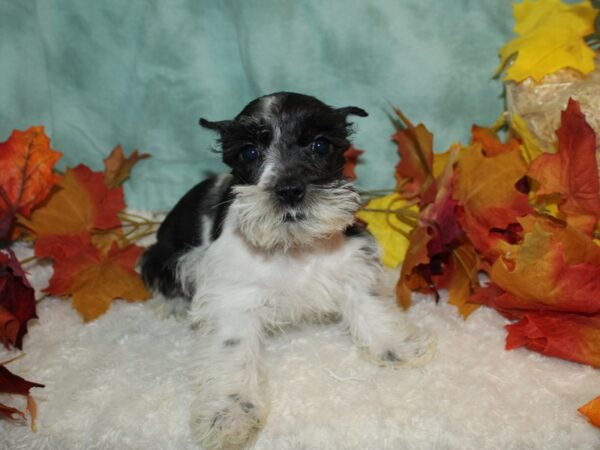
(378, 325)
(231, 404)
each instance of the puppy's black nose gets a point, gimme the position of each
(290, 193)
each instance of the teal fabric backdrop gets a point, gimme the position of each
(141, 72)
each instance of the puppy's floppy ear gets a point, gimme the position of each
(352, 110)
(219, 126)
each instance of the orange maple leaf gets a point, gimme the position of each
(464, 279)
(93, 278)
(490, 143)
(81, 202)
(414, 172)
(118, 168)
(26, 177)
(554, 268)
(572, 172)
(592, 411)
(485, 189)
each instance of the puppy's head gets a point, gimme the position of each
(286, 154)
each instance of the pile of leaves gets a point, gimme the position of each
(74, 219)
(506, 212)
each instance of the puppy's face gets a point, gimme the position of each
(286, 154)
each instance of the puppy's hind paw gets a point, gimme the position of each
(415, 350)
(228, 428)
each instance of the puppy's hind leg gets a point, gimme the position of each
(231, 403)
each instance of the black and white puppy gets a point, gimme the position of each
(270, 245)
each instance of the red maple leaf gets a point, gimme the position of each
(92, 277)
(17, 301)
(13, 384)
(569, 336)
(572, 172)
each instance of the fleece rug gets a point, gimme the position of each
(121, 382)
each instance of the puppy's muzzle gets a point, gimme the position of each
(290, 193)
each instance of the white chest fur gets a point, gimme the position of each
(282, 287)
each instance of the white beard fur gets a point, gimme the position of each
(327, 210)
(244, 291)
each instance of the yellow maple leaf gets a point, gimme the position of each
(551, 37)
(531, 15)
(390, 219)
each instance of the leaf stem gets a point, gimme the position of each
(8, 361)
(27, 260)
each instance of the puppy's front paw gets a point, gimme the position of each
(416, 349)
(228, 427)
(166, 307)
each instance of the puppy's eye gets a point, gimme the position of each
(249, 153)
(320, 146)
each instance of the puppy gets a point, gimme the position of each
(271, 244)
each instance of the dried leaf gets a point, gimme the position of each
(26, 176)
(17, 301)
(118, 168)
(411, 278)
(80, 203)
(592, 411)
(93, 278)
(13, 384)
(568, 336)
(571, 173)
(489, 141)
(390, 219)
(551, 38)
(414, 172)
(351, 157)
(485, 189)
(464, 281)
(554, 268)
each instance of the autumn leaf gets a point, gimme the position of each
(81, 202)
(568, 336)
(571, 173)
(26, 177)
(465, 279)
(491, 145)
(530, 148)
(390, 219)
(427, 267)
(92, 277)
(13, 384)
(351, 157)
(411, 278)
(551, 37)
(486, 191)
(17, 301)
(118, 168)
(555, 268)
(592, 411)
(414, 172)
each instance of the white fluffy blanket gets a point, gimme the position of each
(121, 383)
